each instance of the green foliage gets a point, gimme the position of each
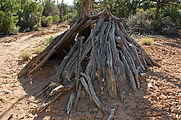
(66, 13)
(8, 16)
(38, 50)
(56, 19)
(49, 20)
(166, 26)
(29, 16)
(50, 9)
(147, 41)
(48, 40)
(8, 24)
(2, 14)
(169, 19)
(167, 22)
(25, 55)
(141, 21)
(46, 21)
(118, 7)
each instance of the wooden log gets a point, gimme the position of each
(93, 93)
(128, 72)
(77, 95)
(53, 98)
(77, 75)
(110, 74)
(70, 102)
(72, 31)
(111, 114)
(61, 88)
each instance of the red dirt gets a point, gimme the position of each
(159, 97)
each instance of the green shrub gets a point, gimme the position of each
(169, 27)
(141, 21)
(38, 50)
(8, 27)
(167, 23)
(48, 40)
(25, 55)
(146, 41)
(46, 21)
(29, 16)
(49, 20)
(8, 16)
(56, 19)
(2, 14)
(172, 11)
(38, 25)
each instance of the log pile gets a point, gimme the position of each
(98, 50)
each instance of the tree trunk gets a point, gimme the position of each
(158, 6)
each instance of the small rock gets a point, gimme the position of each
(5, 91)
(150, 85)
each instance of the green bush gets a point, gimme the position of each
(29, 16)
(50, 9)
(56, 19)
(8, 26)
(169, 27)
(2, 14)
(49, 20)
(167, 23)
(141, 21)
(46, 21)
(147, 41)
(38, 25)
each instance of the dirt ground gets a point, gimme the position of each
(159, 97)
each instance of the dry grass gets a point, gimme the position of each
(26, 54)
(146, 41)
(38, 50)
(48, 40)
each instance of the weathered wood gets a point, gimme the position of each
(36, 59)
(111, 114)
(70, 102)
(128, 72)
(93, 93)
(61, 90)
(73, 30)
(110, 74)
(77, 95)
(77, 75)
(102, 57)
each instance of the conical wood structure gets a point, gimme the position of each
(99, 50)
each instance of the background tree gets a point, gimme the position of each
(9, 16)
